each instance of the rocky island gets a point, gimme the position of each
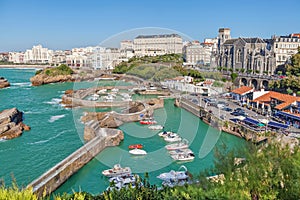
(62, 73)
(11, 124)
(4, 83)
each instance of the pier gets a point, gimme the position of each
(57, 175)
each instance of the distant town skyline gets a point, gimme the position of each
(69, 24)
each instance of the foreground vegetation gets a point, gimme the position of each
(268, 172)
(60, 70)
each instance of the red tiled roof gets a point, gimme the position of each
(242, 90)
(285, 98)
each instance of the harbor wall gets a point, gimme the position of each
(57, 175)
(227, 126)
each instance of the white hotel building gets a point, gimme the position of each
(104, 58)
(38, 54)
(153, 45)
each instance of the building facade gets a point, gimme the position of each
(251, 55)
(104, 58)
(284, 47)
(153, 45)
(198, 54)
(38, 55)
(16, 57)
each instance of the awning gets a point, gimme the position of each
(288, 115)
(277, 125)
(251, 121)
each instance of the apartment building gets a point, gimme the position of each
(153, 45)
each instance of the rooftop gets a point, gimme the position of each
(242, 90)
(158, 36)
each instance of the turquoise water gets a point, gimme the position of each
(56, 132)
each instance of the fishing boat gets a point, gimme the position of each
(179, 145)
(117, 170)
(137, 152)
(102, 91)
(156, 127)
(147, 121)
(135, 146)
(115, 90)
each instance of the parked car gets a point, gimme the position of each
(220, 105)
(224, 103)
(227, 109)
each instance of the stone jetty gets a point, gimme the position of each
(57, 175)
(11, 124)
(4, 83)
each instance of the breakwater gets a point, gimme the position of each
(57, 175)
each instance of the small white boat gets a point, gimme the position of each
(126, 99)
(109, 98)
(184, 157)
(172, 138)
(156, 127)
(115, 90)
(117, 170)
(180, 151)
(180, 145)
(103, 91)
(174, 175)
(138, 152)
(167, 133)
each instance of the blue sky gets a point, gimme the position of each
(66, 24)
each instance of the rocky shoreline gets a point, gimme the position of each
(11, 124)
(42, 79)
(4, 83)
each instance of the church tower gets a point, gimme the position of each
(224, 34)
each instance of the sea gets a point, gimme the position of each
(56, 132)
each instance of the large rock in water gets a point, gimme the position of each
(4, 83)
(11, 125)
(41, 79)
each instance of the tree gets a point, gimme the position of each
(233, 76)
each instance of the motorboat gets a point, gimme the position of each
(175, 178)
(102, 91)
(147, 121)
(156, 127)
(183, 156)
(126, 99)
(138, 152)
(115, 90)
(174, 175)
(167, 133)
(117, 170)
(180, 151)
(123, 181)
(109, 97)
(135, 146)
(172, 138)
(179, 145)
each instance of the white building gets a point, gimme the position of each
(285, 47)
(38, 54)
(152, 45)
(198, 54)
(126, 44)
(76, 60)
(181, 84)
(104, 58)
(16, 57)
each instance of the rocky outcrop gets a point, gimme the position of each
(11, 125)
(41, 79)
(4, 83)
